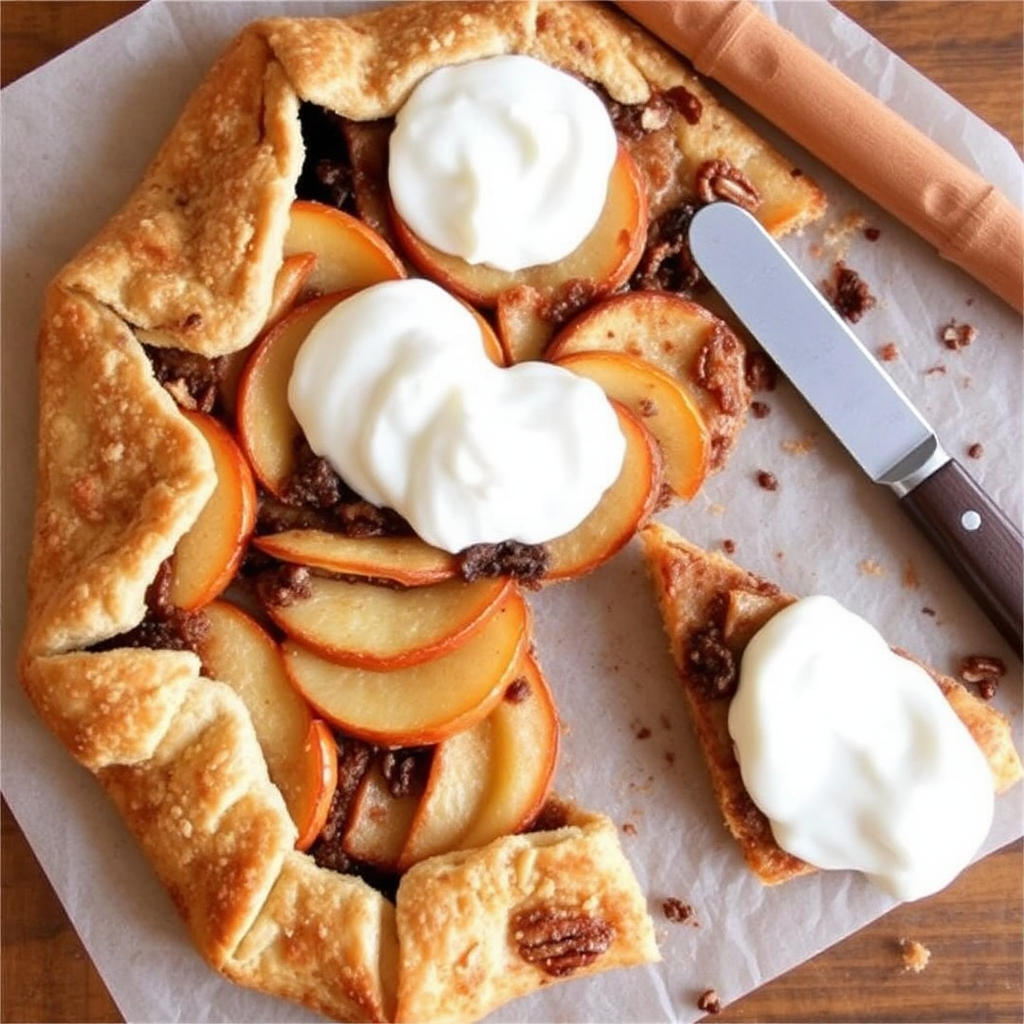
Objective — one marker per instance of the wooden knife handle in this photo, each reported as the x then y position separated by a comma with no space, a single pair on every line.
984,548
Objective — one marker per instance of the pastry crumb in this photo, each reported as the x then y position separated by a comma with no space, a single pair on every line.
799,446
869,567
914,955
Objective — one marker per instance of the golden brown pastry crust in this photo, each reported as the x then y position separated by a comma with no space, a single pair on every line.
489,912
697,590
189,262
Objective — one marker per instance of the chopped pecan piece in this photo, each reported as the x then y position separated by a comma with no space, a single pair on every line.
719,179
983,671
849,293
560,940
526,562
709,1002
283,585
192,380
712,665
956,336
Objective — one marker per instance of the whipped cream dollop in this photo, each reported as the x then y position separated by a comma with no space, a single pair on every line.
503,161
393,387
854,755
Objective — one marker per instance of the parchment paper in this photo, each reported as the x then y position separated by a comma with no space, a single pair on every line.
76,136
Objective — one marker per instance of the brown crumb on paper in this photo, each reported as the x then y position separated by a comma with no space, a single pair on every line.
983,671
677,911
889,353
848,292
872,234
914,955
976,450
729,546
709,1002
957,336
760,410
760,372
767,481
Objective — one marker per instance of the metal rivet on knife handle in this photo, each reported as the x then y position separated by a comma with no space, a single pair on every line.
980,542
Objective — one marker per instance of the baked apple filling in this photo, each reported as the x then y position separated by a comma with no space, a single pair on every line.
400,673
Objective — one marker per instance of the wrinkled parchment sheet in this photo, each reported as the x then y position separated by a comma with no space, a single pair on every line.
78,134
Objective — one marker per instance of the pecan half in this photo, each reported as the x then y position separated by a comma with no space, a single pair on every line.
719,179
560,940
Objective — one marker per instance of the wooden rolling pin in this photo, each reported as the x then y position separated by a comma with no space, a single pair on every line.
967,219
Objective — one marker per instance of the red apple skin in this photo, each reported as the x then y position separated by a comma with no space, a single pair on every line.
322,773
289,284
623,509
208,556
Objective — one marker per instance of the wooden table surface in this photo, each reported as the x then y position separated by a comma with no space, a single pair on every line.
974,928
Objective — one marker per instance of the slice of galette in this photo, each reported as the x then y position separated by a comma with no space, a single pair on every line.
826,748
305,446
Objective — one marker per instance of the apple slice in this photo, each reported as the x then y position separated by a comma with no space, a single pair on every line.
662,405
349,255
493,779
292,279
405,560
623,508
378,821
525,326
424,703
209,554
604,259
366,625
267,427
680,338
300,751
525,736
454,795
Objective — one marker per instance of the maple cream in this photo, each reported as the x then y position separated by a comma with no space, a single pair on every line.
854,755
503,161
393,388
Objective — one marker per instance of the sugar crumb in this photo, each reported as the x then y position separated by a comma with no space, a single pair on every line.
914,955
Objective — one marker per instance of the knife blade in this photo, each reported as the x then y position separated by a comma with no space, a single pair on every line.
863,408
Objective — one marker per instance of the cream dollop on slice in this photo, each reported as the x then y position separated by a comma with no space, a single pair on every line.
854,755
394,389
503,161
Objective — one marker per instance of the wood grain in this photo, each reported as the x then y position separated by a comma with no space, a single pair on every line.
973,929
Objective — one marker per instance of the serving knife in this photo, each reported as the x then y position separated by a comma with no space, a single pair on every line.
863,408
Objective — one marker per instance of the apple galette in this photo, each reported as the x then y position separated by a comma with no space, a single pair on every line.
399,324
825,747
